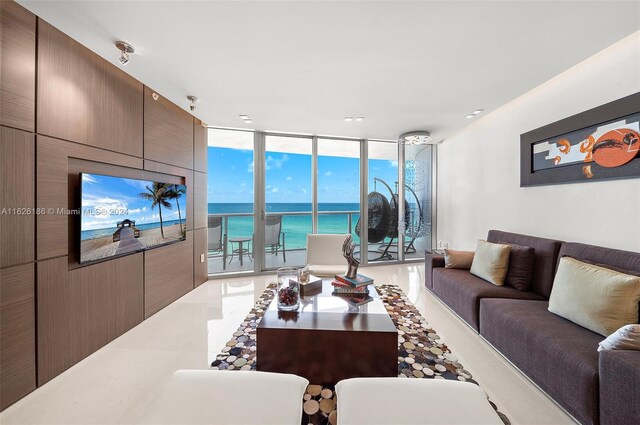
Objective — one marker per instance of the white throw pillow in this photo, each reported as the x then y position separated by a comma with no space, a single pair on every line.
625,338
491,262
594,297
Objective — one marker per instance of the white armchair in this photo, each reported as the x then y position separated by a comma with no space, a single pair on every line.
324,254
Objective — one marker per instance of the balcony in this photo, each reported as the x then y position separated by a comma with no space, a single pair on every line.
238,234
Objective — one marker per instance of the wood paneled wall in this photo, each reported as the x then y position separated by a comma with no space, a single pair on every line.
85,99
18,66
90,117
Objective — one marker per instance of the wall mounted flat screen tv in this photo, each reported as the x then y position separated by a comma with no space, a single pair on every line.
120,216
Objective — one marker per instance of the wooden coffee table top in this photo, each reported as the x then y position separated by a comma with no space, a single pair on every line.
323,311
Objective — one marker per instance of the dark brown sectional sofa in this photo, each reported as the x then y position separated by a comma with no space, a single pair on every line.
558,355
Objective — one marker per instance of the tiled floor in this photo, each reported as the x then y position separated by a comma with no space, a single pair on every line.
115,384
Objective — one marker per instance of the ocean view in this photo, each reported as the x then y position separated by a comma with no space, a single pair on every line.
295,227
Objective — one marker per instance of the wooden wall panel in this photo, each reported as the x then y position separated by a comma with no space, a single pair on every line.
200,207
200,269
17,174
18,66
176,171
168,274
200,145
52,188
81,310
85,99
18,334
168,132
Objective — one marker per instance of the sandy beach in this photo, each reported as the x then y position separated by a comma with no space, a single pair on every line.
95,249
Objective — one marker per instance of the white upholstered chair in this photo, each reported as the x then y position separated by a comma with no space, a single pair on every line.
227,397
324,254
378,401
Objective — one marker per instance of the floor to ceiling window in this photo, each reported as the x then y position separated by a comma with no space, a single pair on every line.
338,182
268,191
288,200
418,194
230,201
382,201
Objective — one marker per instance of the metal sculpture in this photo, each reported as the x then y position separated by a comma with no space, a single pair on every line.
348,248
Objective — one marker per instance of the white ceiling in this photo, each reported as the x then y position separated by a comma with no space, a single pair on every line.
303,66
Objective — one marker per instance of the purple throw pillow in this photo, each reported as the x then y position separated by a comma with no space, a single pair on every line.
521,262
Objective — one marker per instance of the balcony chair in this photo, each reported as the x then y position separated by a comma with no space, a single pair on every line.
324,254
274,237
217,243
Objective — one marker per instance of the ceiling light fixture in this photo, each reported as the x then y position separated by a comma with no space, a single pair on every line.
249,121
348,119
244,117
469,116
359,119
192,102
420,137
125,50
478,111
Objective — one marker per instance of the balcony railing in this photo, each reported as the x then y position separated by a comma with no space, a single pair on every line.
295,225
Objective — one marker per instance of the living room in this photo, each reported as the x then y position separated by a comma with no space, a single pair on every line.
181,180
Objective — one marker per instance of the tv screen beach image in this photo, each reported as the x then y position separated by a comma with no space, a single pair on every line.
120,215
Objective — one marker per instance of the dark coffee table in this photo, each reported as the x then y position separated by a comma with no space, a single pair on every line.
328,340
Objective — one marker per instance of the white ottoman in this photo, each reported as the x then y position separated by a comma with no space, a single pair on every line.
395,401
228,398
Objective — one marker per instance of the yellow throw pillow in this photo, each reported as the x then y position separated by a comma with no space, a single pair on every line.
458,259
491,262
594,297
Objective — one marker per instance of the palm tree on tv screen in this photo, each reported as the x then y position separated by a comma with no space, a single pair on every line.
175,192
158,195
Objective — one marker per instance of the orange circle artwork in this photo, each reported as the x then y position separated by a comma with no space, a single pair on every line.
616,147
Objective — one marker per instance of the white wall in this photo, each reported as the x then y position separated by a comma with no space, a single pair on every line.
479,171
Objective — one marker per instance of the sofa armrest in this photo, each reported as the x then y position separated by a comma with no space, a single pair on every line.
619,390
432,261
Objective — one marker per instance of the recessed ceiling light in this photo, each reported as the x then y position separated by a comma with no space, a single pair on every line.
248,121
478,111
359,118
244,117
470,116
348,119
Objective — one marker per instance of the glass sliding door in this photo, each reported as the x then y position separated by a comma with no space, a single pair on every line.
382,200
230,197
288,197
338,186
418,195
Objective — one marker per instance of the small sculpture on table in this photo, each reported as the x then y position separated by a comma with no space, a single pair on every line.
348,248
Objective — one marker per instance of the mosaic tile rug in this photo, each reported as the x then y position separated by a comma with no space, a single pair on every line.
421,352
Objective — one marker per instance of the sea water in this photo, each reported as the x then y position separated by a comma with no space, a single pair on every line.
295,227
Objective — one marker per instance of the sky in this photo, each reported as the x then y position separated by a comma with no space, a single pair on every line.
288,177
107,200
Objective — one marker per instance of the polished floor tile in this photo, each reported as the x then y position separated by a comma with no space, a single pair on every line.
115,384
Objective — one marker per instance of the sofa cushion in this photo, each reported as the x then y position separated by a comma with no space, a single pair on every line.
491,262
546,257
558,355
521,263
462,291
626,261
625,338
619,389
458,259
597,298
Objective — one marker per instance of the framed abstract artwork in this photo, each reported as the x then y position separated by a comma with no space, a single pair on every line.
599,144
